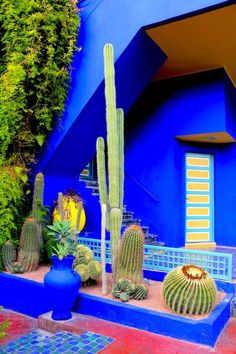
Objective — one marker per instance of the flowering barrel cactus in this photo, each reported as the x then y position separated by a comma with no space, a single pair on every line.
189,289
131,253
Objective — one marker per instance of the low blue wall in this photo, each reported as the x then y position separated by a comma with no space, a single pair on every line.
29,297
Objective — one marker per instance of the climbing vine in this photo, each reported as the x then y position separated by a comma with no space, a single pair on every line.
37,41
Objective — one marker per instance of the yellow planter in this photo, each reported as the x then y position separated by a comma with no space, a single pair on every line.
71,210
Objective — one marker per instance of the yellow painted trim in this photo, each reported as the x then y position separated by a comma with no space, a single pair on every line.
200,245
195,211
197,161
197,198
197,186
198,236
204,224
198,174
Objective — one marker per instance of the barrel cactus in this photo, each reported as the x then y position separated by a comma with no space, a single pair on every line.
8,255
125,290
140,292
28,255
189,289
83,271
95,269
131,253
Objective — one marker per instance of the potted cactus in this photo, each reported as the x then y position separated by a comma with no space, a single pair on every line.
62,282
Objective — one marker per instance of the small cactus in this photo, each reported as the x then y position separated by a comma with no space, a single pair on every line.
140,292
29,246
37,204
189,289
124,297
8,255
83,271
116,291
131,253
83,255
95,269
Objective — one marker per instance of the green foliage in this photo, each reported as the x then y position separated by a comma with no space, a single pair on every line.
37,40
4,325
189,289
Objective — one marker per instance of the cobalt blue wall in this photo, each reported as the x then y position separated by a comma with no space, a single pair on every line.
154,158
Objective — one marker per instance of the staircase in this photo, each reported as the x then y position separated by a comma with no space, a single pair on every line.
128,216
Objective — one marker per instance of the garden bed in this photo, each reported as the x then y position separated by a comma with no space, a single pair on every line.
150,314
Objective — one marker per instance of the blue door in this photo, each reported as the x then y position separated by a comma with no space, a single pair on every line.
199,198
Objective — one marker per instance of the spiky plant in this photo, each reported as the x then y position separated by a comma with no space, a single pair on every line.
28,255
140,292
189,289
131,253
8,255
112,196
95,269
83,271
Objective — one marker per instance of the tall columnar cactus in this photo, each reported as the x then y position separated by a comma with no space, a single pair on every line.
8,255
113,195
189,289
37,204
131,253
28,255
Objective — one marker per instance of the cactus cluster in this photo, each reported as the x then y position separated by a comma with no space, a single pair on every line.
88,268
31,236
112,196
189,289
125,290
9,258
29,252
131,253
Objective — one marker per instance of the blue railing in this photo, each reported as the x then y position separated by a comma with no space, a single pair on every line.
157,258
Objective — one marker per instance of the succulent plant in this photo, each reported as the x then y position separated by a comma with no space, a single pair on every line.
95,269
124,297
131,253
28,255
115,143
83,255
38,209
189,289
140,292
8,255
83,271
116,291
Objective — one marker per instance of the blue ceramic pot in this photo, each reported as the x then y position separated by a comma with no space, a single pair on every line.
62,284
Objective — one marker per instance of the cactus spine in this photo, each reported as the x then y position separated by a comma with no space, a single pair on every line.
131,252
29,246
8,255
115,144
189,289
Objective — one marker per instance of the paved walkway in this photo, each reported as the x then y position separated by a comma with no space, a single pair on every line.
112,338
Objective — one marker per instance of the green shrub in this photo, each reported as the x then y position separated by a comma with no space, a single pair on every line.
37,40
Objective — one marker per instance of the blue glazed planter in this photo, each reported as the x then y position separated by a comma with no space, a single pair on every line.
62,284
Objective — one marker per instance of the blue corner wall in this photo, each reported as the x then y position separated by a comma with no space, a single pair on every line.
137,59
154,158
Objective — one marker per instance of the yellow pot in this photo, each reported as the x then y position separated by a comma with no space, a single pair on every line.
71,210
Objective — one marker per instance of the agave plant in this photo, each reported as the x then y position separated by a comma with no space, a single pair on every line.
65,237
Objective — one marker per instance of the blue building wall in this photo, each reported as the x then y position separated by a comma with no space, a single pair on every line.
154,158
137,60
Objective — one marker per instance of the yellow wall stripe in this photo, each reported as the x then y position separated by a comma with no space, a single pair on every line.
197,161
198,174
192,224
194,186
197,236
197,211
204,199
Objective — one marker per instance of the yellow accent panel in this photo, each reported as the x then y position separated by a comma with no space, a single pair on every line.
198,161
194,186
200,245
197,211
198,43
192,224
205,199
197,174
197,236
